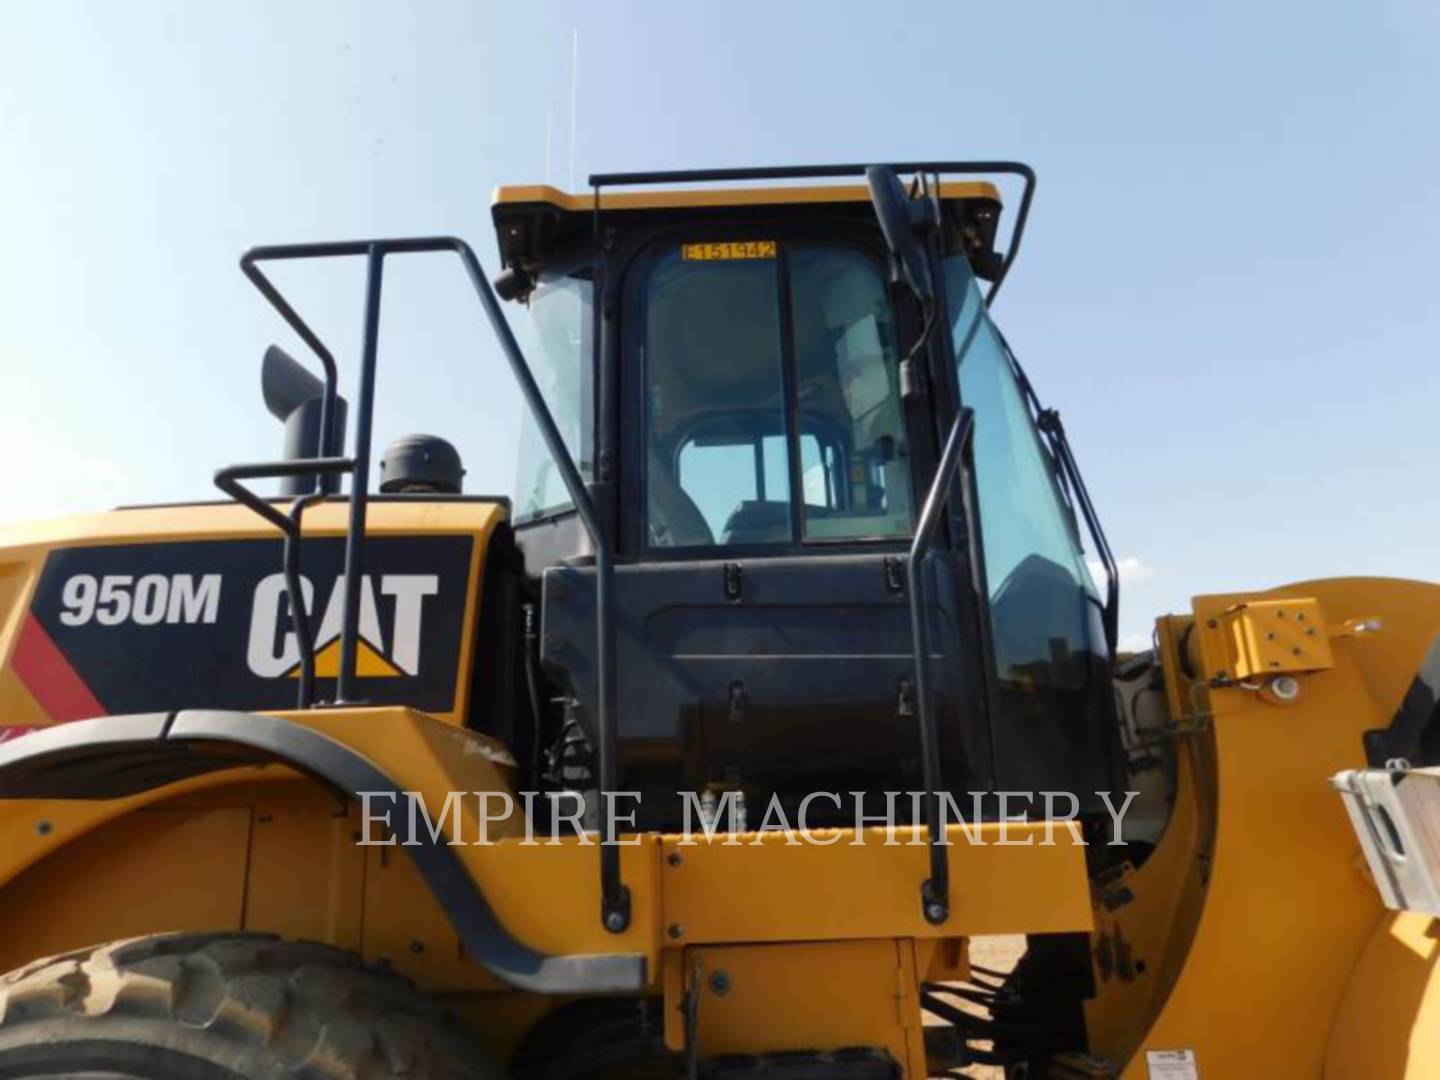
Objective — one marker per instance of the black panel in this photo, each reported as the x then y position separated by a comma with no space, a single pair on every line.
495,702
796,677
169,625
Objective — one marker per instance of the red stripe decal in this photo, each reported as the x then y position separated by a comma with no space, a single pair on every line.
14,731
46,673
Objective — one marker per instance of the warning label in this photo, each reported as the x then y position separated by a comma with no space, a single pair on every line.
1171,1064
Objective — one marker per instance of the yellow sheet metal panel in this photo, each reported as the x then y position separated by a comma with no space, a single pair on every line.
32,830
406,929
306,875
1260,638
19,710
765,889
147,872
200,521
1388,1024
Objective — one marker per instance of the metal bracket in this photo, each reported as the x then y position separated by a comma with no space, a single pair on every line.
1260,638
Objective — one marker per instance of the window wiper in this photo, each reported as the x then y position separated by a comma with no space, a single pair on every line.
1048,422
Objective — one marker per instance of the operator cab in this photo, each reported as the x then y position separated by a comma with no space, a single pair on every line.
758,405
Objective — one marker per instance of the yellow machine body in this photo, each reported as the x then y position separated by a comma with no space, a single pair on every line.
266,848
1252,938
1250,941
1255,899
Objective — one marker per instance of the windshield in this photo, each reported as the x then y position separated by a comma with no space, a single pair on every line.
554,335
772,407
1042,605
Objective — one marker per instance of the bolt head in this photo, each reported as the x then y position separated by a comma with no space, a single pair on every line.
720,983
43,828
675,930
615,921
674,858
1285,687
935,912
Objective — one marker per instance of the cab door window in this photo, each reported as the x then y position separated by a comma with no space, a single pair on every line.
714,385
765,420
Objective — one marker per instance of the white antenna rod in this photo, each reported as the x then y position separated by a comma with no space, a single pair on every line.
574,78
549,153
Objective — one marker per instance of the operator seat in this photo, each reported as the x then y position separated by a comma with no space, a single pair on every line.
675,520
758,521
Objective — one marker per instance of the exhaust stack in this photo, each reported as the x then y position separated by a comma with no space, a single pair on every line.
294,397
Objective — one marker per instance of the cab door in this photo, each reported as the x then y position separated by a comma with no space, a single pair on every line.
770,496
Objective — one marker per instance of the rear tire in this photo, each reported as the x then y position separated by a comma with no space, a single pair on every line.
225,1007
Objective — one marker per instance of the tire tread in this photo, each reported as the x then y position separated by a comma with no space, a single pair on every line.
252,1003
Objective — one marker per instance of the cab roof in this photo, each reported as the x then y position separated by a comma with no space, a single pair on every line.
533,220
518,195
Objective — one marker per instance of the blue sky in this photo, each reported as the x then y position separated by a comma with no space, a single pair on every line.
1226,287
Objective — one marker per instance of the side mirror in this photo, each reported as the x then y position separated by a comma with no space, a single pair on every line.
900,217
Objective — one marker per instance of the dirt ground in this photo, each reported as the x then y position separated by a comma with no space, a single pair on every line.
1000,952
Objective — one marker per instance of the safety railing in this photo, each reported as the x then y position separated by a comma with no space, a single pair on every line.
824,172
228,480
615,898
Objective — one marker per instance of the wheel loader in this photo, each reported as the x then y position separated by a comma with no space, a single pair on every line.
788,673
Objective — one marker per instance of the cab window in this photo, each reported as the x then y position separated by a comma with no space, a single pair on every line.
772,408
848,398
1043,609
554,333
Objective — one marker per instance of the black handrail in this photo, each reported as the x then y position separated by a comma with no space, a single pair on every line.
360,479
935,890
615,898
228,480
821,172
328,409
299,611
